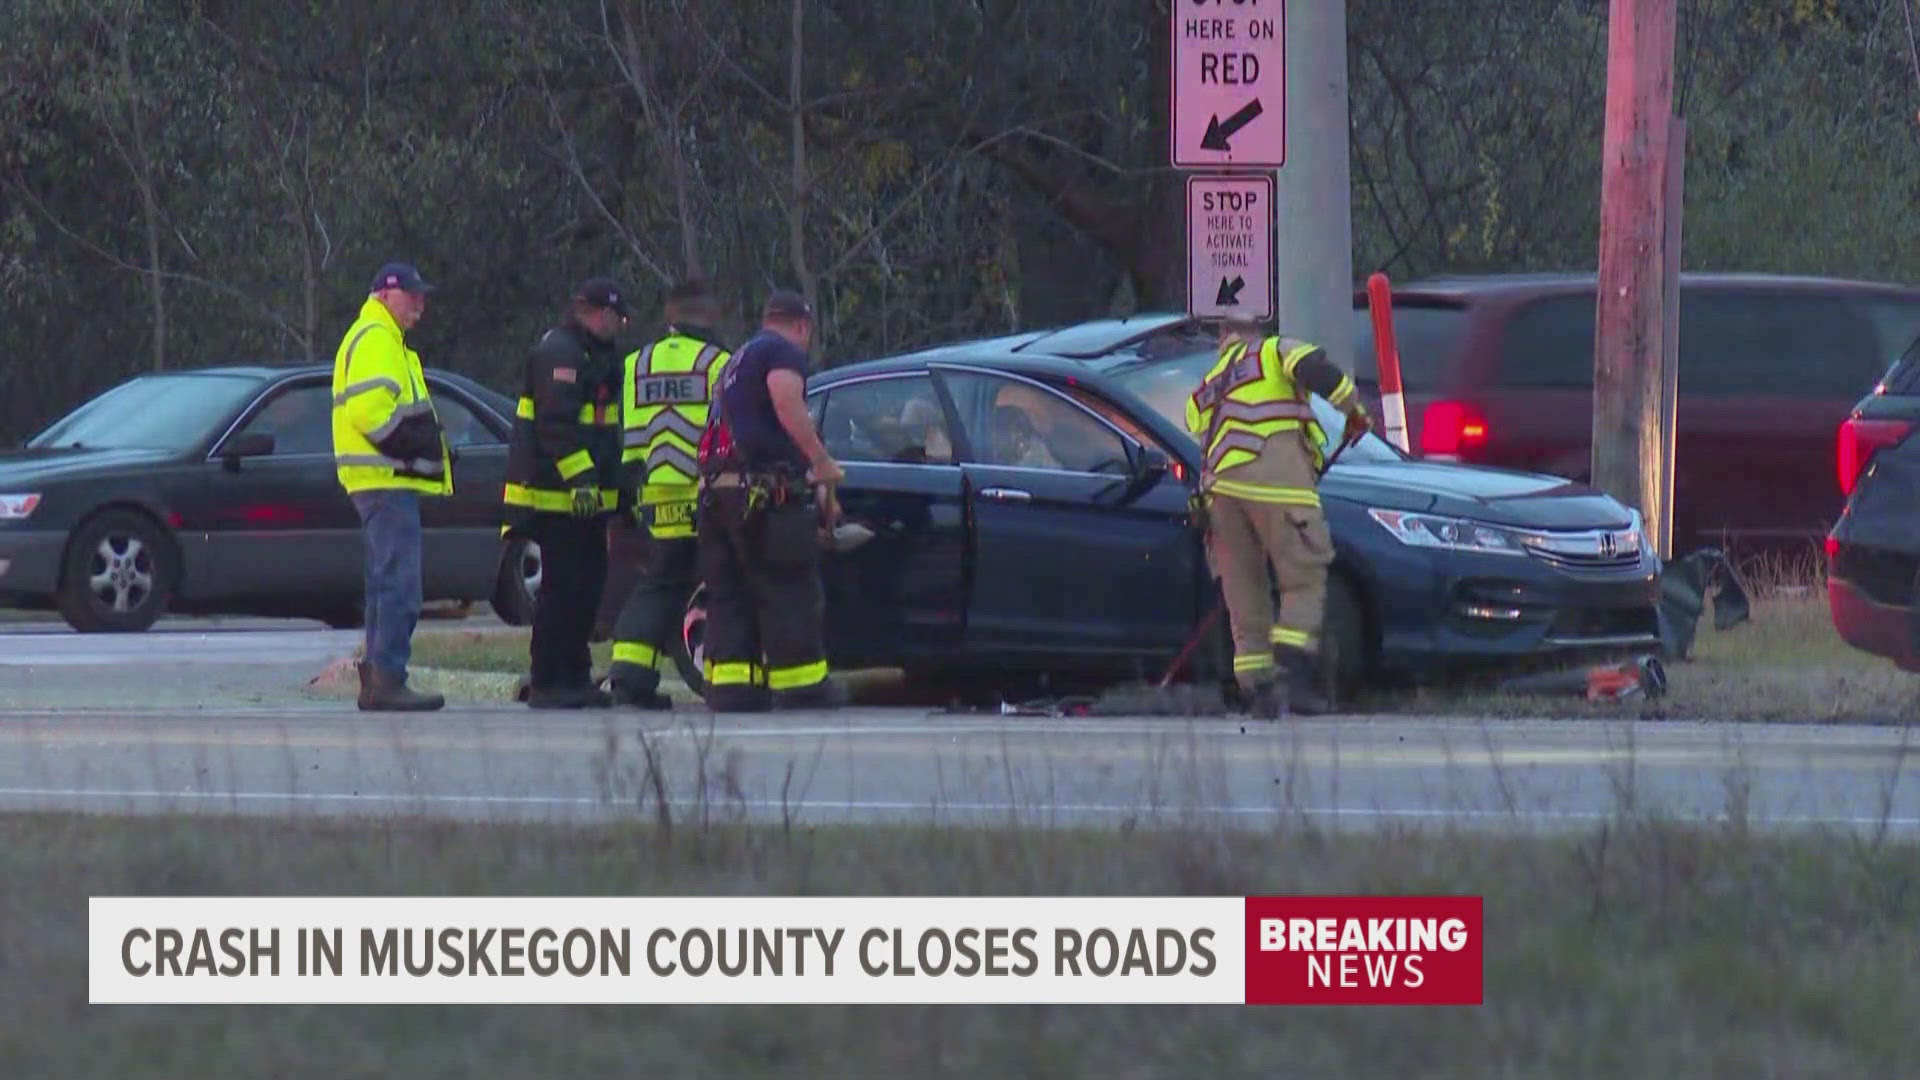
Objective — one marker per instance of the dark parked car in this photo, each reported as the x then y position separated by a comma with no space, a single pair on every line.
1498,370
213,492
1029,496
1873,553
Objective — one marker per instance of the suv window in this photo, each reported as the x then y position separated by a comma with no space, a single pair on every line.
1549,343
889,419
1736,343
1732,343
1428,337
1897,322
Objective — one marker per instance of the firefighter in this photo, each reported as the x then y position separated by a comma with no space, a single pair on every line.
388,451
759,520
563,483
1262,448
667,387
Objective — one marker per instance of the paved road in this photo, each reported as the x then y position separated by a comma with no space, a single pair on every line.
503,762
216,717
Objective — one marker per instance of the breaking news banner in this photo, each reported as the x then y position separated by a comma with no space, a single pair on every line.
1005,950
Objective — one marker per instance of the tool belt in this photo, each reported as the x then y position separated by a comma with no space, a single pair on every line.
764,488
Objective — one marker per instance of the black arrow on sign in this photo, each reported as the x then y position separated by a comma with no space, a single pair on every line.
1230,291
1218,133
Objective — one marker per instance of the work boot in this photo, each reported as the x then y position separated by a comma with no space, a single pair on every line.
1304,695
1266,699
380,692
634,697
569,697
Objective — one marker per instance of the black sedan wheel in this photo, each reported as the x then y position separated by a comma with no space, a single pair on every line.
119,574
518,583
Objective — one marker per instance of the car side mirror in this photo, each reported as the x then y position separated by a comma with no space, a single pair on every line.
245,445
1150,465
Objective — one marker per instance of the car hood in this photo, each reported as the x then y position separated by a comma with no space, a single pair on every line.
1500,496
23,469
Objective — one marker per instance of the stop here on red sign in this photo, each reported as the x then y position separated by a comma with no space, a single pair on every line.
1364,950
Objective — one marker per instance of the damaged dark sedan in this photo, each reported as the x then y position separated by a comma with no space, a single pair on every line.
1029,500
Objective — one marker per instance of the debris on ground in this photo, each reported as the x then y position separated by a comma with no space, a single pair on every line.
1642,677
1685,586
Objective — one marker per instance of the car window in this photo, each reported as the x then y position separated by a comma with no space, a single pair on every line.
1427,336
462,425
153,412
300,420
1789,344
1115,415
897,420
1165,386
1016,423
1549,343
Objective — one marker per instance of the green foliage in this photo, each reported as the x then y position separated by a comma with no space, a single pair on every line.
964,169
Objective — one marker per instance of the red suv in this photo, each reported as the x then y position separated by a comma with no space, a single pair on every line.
1498,370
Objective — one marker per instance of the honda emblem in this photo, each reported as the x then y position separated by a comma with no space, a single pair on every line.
1608,548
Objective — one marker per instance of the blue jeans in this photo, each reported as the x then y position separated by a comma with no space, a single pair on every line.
390,529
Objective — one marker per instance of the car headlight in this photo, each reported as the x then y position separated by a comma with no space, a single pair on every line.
1454,534
17,507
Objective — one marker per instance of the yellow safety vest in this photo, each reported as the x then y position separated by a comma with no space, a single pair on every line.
1248,398
377,383
669,388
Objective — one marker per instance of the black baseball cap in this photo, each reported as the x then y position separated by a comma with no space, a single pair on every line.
400,276
603,292
785,303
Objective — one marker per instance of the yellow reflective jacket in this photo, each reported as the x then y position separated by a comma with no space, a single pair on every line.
669,387
1251,396
385,432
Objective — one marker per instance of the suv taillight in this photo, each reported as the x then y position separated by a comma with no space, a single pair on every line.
1860,439
1452,429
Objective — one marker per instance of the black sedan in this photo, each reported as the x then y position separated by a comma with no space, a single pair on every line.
1029,497
213,492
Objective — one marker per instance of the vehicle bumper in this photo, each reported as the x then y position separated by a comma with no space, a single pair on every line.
1871,626
30,565
1488,609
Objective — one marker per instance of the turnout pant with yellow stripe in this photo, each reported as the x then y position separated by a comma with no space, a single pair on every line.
648,629
1267,512
760,558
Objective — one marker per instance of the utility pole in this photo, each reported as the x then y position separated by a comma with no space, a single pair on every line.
1313,194
1630,445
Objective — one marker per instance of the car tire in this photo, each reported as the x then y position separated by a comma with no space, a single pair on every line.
119,573
1344,640
517,583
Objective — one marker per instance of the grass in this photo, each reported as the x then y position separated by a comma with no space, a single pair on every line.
1785,663
1638,949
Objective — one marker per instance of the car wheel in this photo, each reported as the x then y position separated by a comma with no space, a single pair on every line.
1343,650
691,658
119,574
518,584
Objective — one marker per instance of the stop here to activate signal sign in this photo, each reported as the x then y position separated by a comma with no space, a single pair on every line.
1230,247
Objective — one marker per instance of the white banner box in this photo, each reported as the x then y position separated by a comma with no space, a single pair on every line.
667,950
